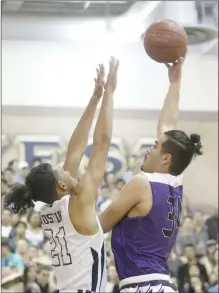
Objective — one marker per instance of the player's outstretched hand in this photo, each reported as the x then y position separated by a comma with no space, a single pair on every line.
99,81
111,81
175,71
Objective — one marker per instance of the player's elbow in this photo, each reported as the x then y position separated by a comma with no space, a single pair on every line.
102,140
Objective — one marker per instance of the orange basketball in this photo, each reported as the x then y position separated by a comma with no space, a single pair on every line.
165,41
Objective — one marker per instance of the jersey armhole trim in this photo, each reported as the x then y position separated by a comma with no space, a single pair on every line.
72,226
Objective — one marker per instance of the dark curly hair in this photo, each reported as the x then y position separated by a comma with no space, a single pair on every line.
183,149
40,185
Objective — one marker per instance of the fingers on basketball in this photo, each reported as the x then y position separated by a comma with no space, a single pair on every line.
167,65
178,64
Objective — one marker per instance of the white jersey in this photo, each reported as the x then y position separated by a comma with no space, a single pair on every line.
79,261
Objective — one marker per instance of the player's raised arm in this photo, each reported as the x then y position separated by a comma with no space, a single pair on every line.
91,180
170,112
79,138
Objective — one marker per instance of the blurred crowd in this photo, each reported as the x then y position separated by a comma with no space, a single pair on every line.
26,262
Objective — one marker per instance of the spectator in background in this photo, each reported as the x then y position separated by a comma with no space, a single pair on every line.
132,161
34,253
200,232
215,256
4,190
191,269
16,218
109,179
34,233
212,226
113,281
43,280
4,186
213,283
12,282
208,260
9,176
196,285
6,223
175,263
185,235
17,233
120,184
104,200
10,260
30,285
22,174
186,211
13,165
22,249
36,162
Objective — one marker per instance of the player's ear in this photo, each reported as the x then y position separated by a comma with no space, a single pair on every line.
167,158
61,185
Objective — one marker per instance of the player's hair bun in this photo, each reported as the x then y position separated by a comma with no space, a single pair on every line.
196,142
18,198
195,138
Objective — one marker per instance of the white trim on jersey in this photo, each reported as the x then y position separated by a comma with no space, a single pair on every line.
144,278
164,178
147,283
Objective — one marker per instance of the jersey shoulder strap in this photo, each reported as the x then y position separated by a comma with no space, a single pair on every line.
164,178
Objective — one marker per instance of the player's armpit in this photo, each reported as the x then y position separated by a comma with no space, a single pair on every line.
131,194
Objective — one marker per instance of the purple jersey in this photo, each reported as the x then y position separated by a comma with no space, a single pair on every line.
142,245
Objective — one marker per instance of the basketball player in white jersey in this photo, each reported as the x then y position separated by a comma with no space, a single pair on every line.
69,216
146,217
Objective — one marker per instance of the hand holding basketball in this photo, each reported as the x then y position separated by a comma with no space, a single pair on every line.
175,71
111,82
99,81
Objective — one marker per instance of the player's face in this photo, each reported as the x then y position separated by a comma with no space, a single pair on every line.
155,160
65,181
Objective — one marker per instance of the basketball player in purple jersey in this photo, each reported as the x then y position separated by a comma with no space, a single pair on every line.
146,216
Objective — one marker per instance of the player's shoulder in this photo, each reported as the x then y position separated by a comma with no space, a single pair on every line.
139,184
137,179
164,178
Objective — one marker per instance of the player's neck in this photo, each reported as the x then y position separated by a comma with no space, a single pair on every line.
163,171
63,193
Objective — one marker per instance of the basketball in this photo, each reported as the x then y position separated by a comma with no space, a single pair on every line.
165,41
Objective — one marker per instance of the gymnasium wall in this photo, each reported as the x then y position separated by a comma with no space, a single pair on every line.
61,74
201,179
